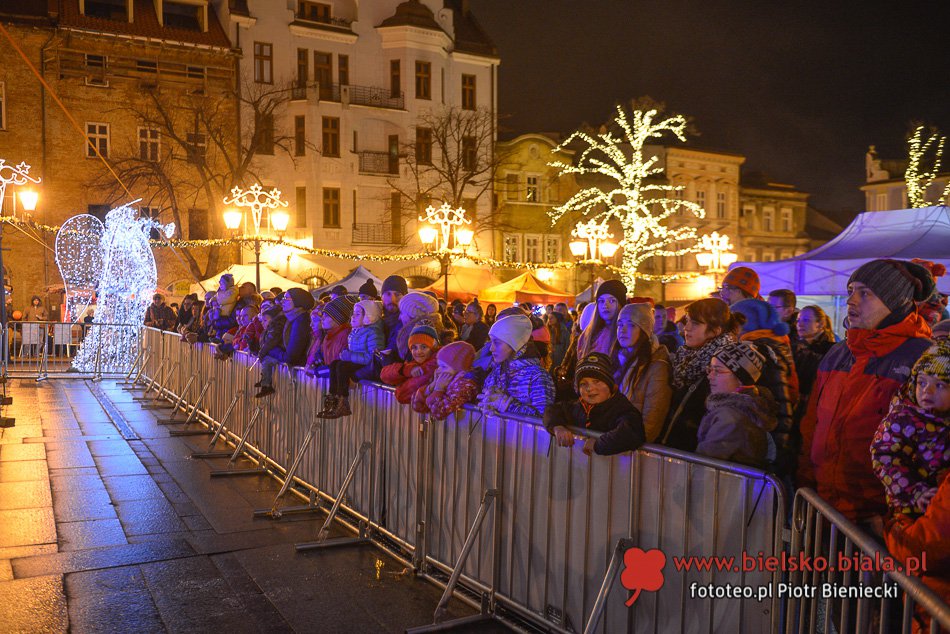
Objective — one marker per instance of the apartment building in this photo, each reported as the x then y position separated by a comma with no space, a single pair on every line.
885,188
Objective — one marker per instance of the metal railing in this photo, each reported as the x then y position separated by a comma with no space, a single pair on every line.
833,543
382,163
374,96
373,233
44,349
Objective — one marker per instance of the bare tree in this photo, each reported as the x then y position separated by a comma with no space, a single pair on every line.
200,152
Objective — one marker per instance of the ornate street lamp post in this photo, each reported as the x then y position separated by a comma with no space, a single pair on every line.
716,254
258,200
592,246
437,233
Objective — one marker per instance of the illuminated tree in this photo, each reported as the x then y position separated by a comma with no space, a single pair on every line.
917,176
631,193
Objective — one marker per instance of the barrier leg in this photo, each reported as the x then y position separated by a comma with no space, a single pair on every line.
274,512
322,541
193,416
437,624
135,363
160,389
608,583
153,381
130,385
178,402
239,449
210,453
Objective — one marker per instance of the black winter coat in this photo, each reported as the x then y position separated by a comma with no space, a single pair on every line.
688,406
618,420
295,340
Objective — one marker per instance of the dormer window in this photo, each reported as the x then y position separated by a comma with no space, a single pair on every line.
314,11
182,15
118,10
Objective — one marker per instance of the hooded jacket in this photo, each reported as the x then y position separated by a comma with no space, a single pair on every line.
807,358
648,389
462,389
736,427
273,336
400,375
525,381
852,393
363,342
618,420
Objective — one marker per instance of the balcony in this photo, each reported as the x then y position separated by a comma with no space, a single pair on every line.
380,163
370,233
323,27
375,97
300,91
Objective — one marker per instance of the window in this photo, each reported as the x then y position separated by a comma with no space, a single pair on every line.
148,144
197,224
468,92
323,71
469,153
303,66
768,219
300,135
552,248
99,211
395,78
720,205
301,208
511,186
107,10
263,63
767,256
424,146
96,63
198,143
881,203
182,16
98,136
343,69
331,136
513,247
314,11
395,216
146,66
265,133
701,198
532,248
787,224
331,207
423,80
532,190
3,106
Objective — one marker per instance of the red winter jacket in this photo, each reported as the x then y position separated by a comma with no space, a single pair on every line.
929,533
400,374
850,398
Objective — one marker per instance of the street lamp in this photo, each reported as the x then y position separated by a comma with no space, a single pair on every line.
439,224
258,200
716,255
29,198
593,245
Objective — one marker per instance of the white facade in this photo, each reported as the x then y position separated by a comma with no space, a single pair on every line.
359,75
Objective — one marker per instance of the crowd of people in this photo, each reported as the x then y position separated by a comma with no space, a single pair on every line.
738,377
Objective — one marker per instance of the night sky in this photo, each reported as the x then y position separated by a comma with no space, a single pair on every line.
800,91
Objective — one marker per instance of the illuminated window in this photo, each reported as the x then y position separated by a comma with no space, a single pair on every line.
532,189
552,248
513,247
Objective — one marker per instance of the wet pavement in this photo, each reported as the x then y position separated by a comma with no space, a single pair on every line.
108,525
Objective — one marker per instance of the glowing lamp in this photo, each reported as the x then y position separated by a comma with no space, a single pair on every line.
279,220
608,249
545,275
704,260
427,235
728,259
232,219
29,198
464,237
578,248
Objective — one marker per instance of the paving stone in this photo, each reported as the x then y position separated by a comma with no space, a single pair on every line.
118,613
90,534
25,495
33,605
26,527
11,453
110,556
15,552
117,447
23,470
75,506
132,487
76,483
6,570
69,456
120,465
141,517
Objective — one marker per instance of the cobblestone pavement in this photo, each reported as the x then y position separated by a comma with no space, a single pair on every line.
108,525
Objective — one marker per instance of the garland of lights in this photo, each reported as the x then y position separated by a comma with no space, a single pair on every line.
638,204
919,181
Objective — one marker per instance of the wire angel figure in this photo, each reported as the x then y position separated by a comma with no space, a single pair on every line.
113,264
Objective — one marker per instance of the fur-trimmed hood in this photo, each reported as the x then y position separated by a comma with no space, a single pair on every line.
757,404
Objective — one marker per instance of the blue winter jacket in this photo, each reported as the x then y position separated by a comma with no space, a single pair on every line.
363,342
523,379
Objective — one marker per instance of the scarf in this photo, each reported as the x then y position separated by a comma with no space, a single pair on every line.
295,312
690,364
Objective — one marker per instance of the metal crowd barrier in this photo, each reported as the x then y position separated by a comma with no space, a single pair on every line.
487,505
822,534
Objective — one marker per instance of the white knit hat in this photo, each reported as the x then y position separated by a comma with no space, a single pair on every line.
415,299
515,330
587,315
372,311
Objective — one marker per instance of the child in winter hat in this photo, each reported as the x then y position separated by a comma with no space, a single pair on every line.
368,290
411,375
365,338
517,382
738,416
911,449
745,280
514,331
416,304
452,384
336,328
600,407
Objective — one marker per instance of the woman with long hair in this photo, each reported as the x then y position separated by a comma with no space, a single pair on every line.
491,314
642,367
815,338
709,325
601,332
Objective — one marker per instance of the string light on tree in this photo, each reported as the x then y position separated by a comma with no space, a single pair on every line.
641,205
917,177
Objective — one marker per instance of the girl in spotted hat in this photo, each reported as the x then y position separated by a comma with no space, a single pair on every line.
911,449
452,384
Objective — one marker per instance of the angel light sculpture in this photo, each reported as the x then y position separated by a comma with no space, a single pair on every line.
110,263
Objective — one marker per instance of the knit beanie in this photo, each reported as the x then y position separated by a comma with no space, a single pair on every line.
935,361
395,283
942,329
339,289
415,299
760,315
368,288
514,331
743,278
372,311
587,315
340,310
895,282
642,316
273,310
301,298
508,312
424,334
458,355
596,365
742,360
615,288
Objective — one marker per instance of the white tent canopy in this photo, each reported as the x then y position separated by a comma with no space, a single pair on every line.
246,273
353,281
901,234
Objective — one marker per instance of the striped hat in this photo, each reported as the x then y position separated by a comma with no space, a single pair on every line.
340,310
742,360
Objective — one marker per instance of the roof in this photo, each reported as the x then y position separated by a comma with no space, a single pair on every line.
24,8
524,288
145,24
760,180
469,35
412,13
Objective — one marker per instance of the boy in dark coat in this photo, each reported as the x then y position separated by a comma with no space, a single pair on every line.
295,338
601,407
